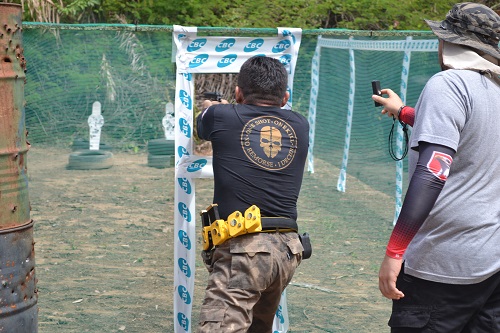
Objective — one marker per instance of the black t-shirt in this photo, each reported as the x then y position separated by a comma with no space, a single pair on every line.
259,153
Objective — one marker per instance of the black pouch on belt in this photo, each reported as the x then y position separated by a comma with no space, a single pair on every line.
306,244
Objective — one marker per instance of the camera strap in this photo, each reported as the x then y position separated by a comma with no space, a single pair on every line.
391,137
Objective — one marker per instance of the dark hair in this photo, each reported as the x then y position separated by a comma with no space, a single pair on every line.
263,80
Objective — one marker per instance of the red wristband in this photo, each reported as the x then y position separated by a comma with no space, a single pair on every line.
407,115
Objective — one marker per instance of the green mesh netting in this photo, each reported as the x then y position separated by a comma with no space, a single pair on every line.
369,160
130,73
104,258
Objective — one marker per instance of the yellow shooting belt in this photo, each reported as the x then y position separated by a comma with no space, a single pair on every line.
238,224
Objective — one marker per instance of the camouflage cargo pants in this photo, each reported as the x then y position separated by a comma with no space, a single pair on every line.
248,275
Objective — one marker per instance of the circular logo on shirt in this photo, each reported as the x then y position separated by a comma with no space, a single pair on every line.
269,142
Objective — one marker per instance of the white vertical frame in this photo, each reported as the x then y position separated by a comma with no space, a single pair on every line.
197,54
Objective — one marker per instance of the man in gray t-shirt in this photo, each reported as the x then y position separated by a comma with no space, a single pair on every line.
442,263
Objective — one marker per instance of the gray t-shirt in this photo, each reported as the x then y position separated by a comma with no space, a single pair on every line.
459,242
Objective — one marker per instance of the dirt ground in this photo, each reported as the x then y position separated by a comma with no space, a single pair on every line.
104,254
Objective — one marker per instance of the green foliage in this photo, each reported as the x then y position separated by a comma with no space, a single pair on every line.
313,14
117,11
76,10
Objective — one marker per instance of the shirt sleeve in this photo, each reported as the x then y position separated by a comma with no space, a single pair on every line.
205,123
441,111
430,174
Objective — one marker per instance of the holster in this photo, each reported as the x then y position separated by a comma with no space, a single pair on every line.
208,246
207,257
306,244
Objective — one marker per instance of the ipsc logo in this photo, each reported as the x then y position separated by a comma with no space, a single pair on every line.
183,321
185,99
184,294
269,142
182,151
198,60
254,45
197,165
196,44
281,46
184,267
184,239
184,211
226,60
285,59
184,127
439,165
185,185
225,45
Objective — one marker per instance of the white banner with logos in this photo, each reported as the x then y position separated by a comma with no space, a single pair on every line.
210,54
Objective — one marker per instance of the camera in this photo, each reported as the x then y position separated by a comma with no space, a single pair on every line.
376,90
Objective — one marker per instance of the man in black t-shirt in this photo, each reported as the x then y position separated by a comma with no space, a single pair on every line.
259,153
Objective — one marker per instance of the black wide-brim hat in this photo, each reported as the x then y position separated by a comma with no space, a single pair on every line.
470,24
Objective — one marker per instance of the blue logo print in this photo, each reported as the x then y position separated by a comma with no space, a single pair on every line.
197,165
184,184
187,76
182,151
184,294
184,267
227,60
183,321
254,45
279,314
285,59
185,99
184,127
281,46
184,239
289,33
198,60
196,44
225,45
184,211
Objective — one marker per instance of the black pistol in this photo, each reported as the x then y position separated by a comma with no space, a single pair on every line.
213,96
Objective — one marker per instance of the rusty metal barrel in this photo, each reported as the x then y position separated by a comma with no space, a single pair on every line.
18,292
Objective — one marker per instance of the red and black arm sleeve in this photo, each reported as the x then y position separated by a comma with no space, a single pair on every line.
430,174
